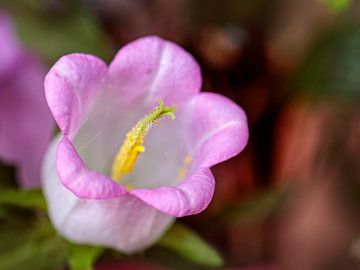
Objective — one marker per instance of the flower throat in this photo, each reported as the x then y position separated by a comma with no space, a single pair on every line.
132,146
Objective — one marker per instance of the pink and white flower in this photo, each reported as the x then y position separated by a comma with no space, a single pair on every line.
95,106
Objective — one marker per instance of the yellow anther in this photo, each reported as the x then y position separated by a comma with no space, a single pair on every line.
140,148
132,146
181,173
183,169
187,160
129,187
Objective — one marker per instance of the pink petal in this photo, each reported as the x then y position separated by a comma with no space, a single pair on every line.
76,177
150,68
216,129
10,48
71,87
26,123
189,198
125,223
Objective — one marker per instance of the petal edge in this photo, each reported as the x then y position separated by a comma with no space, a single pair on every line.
77,178
189,198
70,87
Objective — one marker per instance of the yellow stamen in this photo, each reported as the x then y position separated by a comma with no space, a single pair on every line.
183,169
187,160
133,144
129,187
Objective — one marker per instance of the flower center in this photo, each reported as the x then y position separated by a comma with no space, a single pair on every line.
132,146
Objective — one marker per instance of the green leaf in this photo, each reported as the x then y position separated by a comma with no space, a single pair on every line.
82,257
257,208
338,5
29,198
189,245
333,66
52,32
30,246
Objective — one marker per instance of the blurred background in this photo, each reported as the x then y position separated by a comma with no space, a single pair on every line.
291,199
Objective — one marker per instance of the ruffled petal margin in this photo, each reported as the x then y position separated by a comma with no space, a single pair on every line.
216,129
189,198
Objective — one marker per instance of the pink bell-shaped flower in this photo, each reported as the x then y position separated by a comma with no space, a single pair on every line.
126,199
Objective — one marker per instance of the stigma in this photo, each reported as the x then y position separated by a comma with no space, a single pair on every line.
133,144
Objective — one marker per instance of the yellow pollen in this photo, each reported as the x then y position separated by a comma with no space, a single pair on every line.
129,187
132,146
183,169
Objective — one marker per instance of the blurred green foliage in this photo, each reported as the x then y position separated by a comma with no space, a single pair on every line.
333,67
189,245
258,208
30,198
82,257
338,5
30,244
55,31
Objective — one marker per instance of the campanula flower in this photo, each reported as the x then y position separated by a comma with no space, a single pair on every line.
26,124
136,144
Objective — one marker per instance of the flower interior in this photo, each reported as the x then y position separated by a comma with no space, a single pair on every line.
132,146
